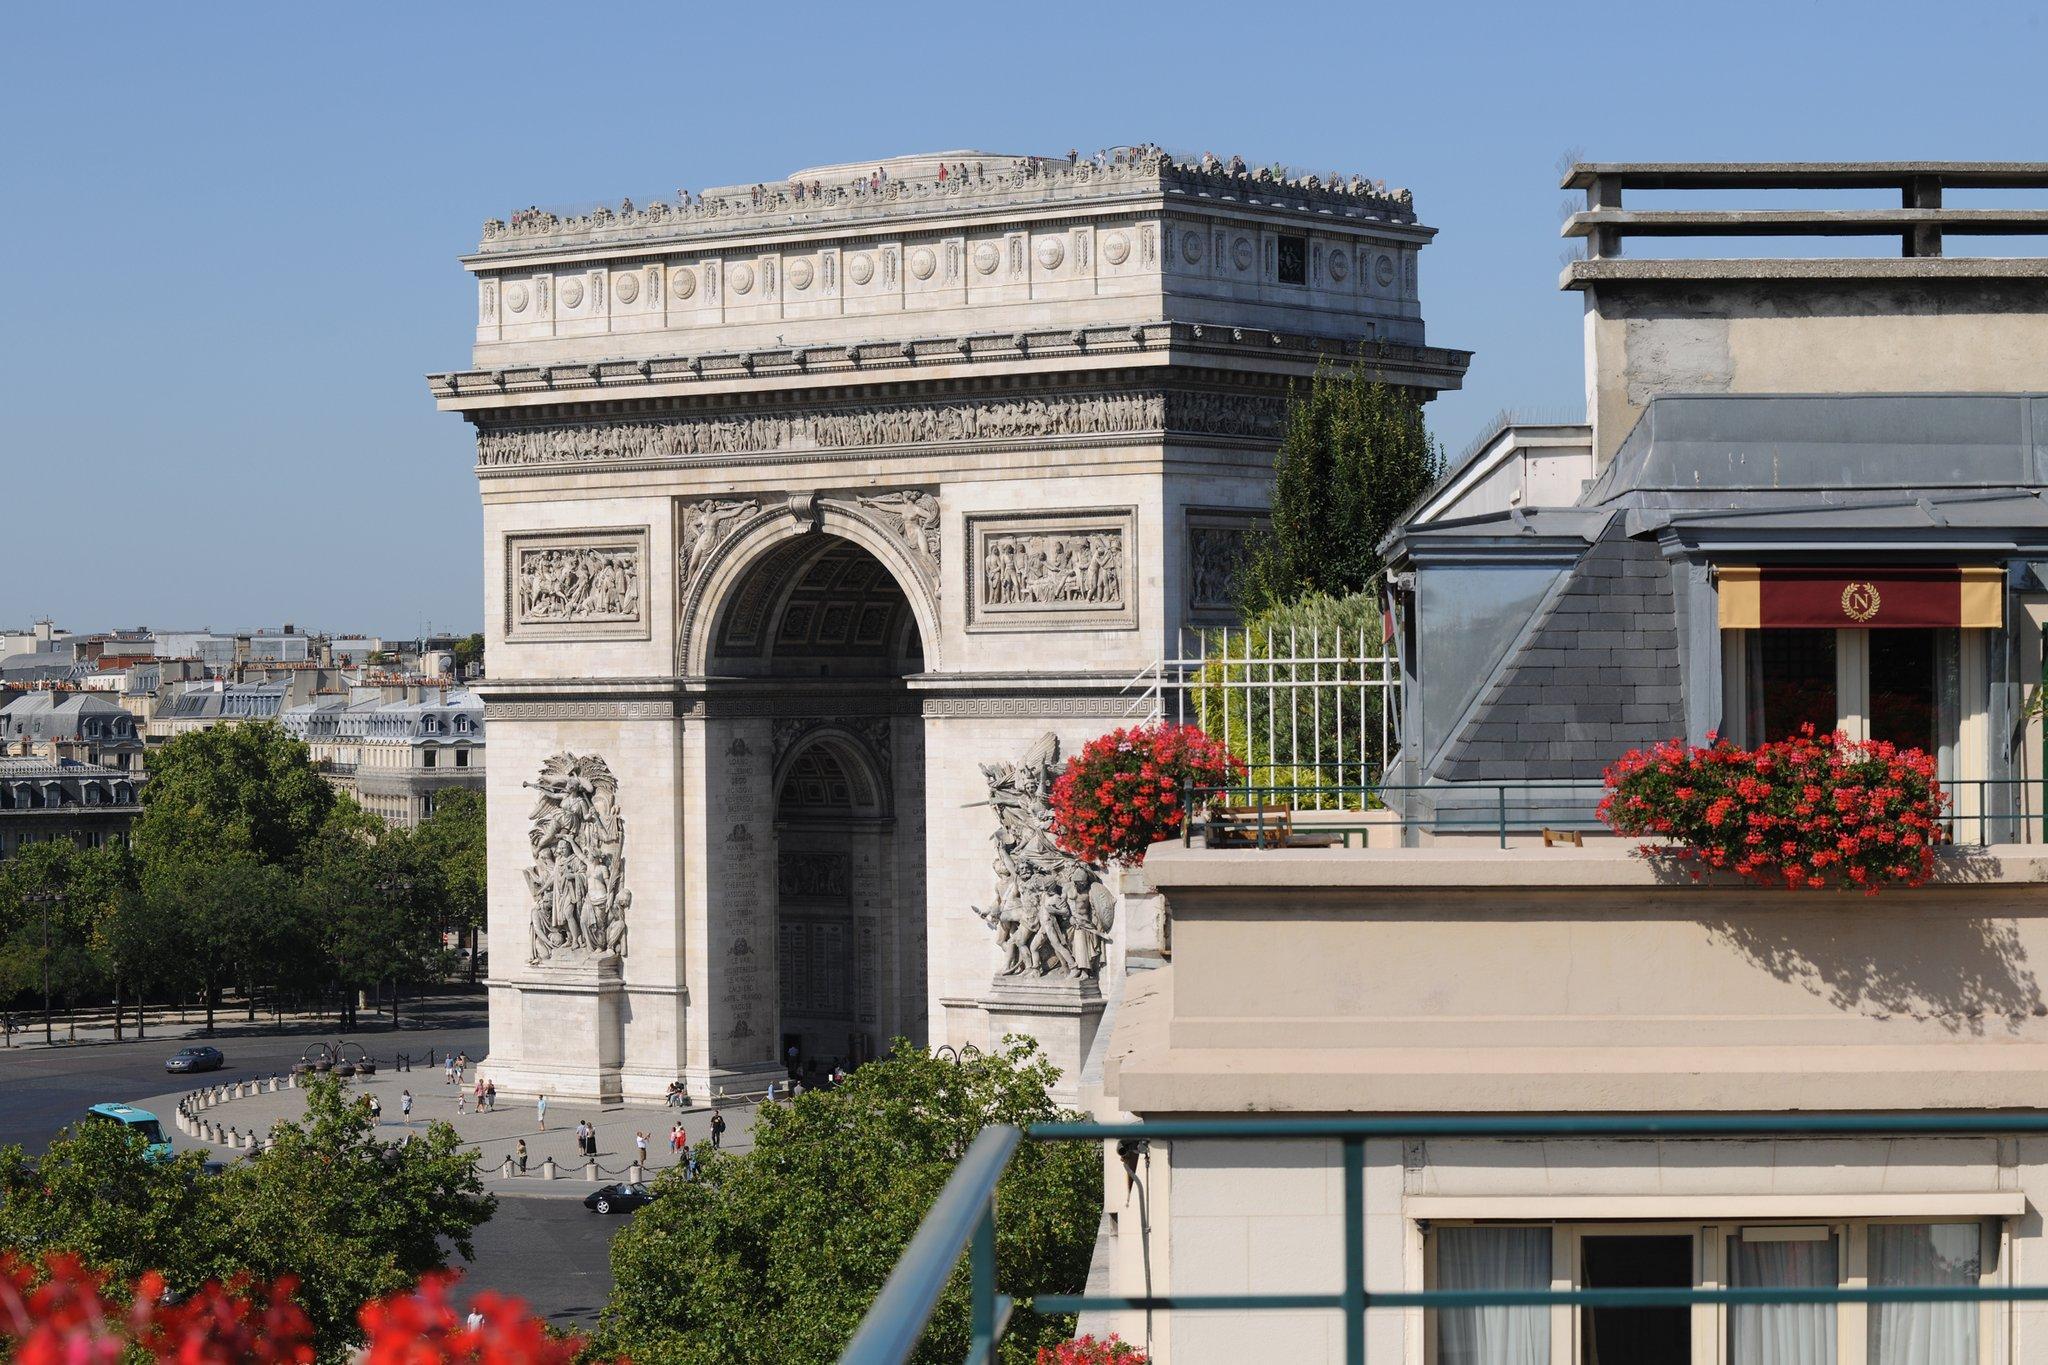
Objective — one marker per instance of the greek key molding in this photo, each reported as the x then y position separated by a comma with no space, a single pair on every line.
1053,570
583,584
1033,706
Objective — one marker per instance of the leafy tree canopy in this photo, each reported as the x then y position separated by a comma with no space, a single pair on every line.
1355,456
450,846
773,1256
352,1217
234,788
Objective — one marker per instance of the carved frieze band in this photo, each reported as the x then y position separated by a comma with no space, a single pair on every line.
1052,571
576,585
1251,416
588,709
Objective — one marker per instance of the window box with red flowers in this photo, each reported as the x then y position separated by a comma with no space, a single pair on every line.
1812,811
1124,792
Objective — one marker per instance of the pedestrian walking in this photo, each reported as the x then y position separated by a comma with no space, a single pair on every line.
640,1146
540,1111
461,1102
405,1106
717,1129
519,1155
461,1066
689,1165
448,1070
479,1094
475,1321
376,1109
491,1095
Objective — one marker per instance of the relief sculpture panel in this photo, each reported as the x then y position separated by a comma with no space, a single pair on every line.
576,585
1219,548
1052,571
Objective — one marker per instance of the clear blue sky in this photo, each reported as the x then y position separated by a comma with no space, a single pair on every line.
230,230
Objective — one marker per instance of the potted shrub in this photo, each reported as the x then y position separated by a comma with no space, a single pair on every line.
1124,792
1810,811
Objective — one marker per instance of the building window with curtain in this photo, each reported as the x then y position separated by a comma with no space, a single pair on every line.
1493,1258
1855,1253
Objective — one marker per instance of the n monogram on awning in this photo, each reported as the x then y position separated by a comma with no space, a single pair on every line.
1807,596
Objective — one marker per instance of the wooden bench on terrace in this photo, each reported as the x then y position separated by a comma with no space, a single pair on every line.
1260,827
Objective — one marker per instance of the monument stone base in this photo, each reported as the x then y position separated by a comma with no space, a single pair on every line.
572,1039
1061,1012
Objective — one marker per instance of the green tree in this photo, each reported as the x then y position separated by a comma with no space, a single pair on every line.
95,1194
54,937
369,905
1355,456
223,916
233,789
469,652
350,1216
773,1256
450,847
128,941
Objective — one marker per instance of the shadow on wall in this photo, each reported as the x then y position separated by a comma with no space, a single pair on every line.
1925,961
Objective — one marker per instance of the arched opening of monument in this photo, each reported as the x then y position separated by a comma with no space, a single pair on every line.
819,636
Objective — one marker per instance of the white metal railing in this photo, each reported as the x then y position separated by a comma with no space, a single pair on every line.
1309,708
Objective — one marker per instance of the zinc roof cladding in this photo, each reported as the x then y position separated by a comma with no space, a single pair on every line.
1849,443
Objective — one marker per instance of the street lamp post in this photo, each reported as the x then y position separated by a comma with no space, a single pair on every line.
394,889
46,899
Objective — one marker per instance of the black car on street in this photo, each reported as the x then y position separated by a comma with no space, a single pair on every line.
622,1197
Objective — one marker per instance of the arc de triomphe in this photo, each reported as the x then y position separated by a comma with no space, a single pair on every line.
820,520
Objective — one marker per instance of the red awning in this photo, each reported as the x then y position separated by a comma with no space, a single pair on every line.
1810,596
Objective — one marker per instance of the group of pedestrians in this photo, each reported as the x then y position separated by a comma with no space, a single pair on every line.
485,1095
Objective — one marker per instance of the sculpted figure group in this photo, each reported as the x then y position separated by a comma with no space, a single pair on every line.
1052,913
579,584
1051,570
579,861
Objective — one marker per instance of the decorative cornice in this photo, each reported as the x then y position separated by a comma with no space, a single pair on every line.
1021,182
632,378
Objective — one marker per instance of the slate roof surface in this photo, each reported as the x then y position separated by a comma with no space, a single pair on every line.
1597,675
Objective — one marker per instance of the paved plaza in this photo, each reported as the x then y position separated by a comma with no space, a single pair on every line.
495,1133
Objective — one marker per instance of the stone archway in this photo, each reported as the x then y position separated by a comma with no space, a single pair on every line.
732,554
812,890
836,905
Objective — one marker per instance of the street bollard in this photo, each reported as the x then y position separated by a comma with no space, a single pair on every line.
638,1173
547,1169
590,1170
507,1171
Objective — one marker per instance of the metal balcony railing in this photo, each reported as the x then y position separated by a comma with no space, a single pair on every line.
1267,812
963,1220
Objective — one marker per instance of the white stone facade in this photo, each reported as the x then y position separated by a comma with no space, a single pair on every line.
797,513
